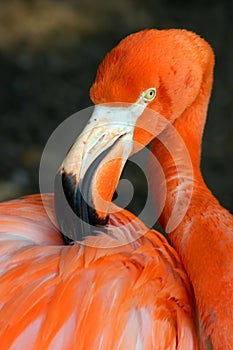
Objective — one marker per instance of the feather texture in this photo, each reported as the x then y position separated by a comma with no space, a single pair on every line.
134,296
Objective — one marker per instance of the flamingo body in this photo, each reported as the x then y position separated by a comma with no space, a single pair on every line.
136,296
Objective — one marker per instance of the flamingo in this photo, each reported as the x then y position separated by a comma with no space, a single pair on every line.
133,293
171,73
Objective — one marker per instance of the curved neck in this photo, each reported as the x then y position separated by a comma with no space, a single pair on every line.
176,175
199,228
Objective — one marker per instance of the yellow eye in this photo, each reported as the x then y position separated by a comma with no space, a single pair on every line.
149,95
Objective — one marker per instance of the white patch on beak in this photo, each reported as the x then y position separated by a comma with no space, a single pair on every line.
106,125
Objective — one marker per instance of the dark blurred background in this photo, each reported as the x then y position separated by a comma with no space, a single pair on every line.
49,53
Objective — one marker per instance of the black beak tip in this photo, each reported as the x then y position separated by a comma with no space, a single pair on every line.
75,212
74,207
63,203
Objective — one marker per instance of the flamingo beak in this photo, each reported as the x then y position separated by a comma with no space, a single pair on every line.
92,168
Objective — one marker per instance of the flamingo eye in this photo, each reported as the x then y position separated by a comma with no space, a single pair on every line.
149,95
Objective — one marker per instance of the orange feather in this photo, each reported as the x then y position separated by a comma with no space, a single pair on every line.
67,297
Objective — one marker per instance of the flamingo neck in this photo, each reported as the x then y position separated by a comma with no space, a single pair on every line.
198,227
176,174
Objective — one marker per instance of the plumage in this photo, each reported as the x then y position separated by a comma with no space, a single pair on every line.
52,296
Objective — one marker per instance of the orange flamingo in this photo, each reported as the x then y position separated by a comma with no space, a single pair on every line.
54,296
171,72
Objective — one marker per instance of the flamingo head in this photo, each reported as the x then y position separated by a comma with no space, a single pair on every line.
148,80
